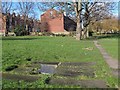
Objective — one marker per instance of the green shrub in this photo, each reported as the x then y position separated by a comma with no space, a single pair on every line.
20,31
47,34
73,33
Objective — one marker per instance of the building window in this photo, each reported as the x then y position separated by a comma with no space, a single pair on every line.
51,14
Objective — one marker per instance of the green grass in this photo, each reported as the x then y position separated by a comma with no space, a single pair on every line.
57,49
15,50
111,46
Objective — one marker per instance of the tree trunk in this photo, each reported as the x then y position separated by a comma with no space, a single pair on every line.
85,34
78,29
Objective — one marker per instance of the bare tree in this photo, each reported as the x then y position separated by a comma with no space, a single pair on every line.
6,7
26,9
86,12
43,6
95,12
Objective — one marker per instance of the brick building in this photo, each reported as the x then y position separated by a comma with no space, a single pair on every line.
56,22
2,24
51,21
10,21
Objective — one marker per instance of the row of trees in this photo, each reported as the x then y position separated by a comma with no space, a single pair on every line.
106,25
84,13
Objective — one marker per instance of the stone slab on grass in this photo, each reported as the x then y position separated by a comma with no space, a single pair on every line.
38,62
78,63
76,69
19,77
47,69
81,83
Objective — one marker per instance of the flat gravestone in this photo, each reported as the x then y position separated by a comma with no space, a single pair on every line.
47,69
75,69
27,69
17,77
81,83
52,63
37,67
78,63
22,70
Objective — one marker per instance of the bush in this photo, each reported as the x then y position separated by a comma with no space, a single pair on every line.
52,34
90,33
73,33
47,34
20,31
63,35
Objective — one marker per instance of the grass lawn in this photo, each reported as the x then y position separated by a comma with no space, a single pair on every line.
15,51
111,46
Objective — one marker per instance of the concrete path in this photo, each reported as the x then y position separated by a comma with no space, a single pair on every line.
113,64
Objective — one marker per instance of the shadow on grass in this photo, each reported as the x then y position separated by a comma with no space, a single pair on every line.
18,38
110,36
103,36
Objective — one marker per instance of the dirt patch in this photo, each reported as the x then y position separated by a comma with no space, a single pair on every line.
28,59
81,83
88,48
10,68
19,77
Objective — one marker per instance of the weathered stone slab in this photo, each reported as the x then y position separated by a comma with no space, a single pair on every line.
75,69
19,77
81,83
47,69
22,70
78,63
37,68
53,63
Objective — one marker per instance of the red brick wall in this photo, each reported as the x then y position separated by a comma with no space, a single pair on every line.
56,25
55,22
2,23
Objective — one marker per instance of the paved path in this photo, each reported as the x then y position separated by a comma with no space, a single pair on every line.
109,60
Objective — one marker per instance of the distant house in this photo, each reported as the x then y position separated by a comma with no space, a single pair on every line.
51,21
8,23
56,22
2,24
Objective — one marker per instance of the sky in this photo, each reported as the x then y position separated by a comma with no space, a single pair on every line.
60,0
38,12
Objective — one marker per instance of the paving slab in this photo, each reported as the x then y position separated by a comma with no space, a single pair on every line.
113,63
75,69
47,69
81,83
78,63
109,60
17,77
